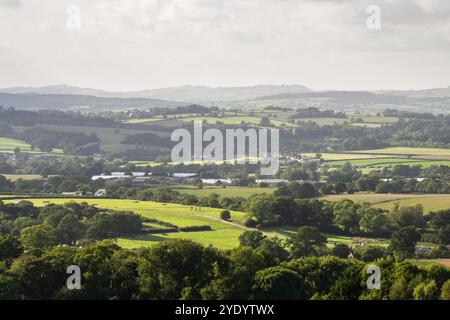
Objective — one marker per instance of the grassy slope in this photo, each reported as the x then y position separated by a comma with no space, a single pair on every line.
223,236
430,202
231,191
406,151
7,144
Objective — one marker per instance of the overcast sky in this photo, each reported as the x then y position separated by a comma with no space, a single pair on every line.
144,44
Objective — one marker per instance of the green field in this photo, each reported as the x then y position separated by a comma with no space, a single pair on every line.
430,202
110,138
344,156
288,231
7,144
324,121
230,191
15,177
237,120
407,151
373,118
145,120
372,162
223,235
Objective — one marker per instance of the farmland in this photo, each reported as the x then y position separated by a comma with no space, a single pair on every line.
407,151
430,202
223,235
229,191
7,144
15,177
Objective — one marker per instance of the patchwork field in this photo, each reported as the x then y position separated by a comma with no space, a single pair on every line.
237,120
430,202
230,191
407,151
223,235
344,156
288,231
15,177
7,144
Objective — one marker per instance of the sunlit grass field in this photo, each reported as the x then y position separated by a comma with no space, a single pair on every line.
7,144
407,151
230,191
223,235
430,202
15,177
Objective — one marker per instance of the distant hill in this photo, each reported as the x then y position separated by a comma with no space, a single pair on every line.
352,97
193,94
425,93
69,102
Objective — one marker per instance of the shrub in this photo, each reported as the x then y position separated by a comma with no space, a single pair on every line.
250,223
225,215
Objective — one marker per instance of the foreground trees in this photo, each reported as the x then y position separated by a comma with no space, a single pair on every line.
182,269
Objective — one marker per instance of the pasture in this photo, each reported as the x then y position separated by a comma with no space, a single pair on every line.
229,191
7,144
223,235
430,202
15,177
407,151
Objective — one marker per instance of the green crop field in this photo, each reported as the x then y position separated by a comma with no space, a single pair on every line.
374,118
324,121
110,138
430,202
223,235
230,191
236,120
344,156
145,120
407,151
368,125
7,144
287,231
15,177
373,161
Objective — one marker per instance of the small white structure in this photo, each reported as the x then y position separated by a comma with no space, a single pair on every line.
100,193
216,181
183,175
118,175
76,193
271,181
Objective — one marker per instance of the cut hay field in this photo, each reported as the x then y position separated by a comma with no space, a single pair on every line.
430,202
223,235
230,191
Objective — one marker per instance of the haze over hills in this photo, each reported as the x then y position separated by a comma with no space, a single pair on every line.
73,102
192,94
65,97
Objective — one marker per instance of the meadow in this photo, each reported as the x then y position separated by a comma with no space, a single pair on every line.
7,144
15,177
223,234
407,151
430,202
229,191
